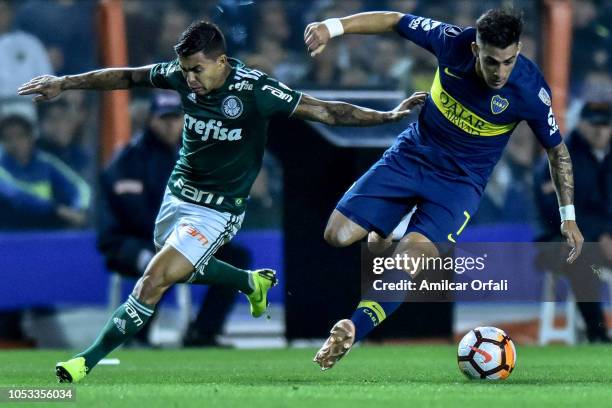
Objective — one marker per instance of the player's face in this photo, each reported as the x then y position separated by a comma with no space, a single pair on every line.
495,64
203,74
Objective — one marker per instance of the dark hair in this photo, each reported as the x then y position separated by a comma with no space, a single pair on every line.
15,120
201,36
500,28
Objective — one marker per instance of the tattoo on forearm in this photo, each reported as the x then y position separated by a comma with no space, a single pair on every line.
345,114
108,79
560,164
337,113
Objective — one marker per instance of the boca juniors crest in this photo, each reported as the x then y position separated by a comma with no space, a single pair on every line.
498,104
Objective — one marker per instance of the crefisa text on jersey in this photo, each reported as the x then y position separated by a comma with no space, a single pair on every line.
241,86
218,132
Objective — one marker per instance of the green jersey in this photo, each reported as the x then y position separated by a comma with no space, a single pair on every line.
224,133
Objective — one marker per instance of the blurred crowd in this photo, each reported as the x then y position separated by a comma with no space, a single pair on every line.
48,152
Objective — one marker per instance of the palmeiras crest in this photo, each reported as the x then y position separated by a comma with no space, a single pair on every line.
231,107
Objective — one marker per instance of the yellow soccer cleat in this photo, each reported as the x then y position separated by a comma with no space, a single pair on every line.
263,279
71,371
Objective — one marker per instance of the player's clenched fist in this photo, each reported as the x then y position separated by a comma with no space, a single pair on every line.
316,37
46,86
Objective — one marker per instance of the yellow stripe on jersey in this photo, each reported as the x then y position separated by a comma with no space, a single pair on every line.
379,312
462,117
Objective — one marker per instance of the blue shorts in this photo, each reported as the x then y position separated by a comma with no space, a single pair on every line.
406,176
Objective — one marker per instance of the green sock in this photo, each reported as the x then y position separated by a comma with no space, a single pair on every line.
127,320
218,272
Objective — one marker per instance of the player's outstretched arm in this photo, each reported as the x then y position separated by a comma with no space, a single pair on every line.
560,164
48,86
346,114
317,34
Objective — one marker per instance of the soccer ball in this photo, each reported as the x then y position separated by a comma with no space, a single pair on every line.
486,353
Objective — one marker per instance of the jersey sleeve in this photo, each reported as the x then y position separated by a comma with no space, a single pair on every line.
274,97
434,36
166,75
541,119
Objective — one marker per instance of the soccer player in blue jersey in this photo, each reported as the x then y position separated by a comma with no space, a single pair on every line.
482,89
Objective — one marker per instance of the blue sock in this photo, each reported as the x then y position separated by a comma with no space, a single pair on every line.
370,314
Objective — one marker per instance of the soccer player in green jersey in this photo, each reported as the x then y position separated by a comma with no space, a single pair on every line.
227,107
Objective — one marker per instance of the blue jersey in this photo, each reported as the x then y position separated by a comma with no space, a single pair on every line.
464,125
30,194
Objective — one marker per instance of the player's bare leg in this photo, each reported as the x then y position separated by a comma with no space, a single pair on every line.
165,269
416,245
341,231
378,244
346,332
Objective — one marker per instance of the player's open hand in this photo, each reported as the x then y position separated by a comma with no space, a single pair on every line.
44,87
574,238
316,37
403,109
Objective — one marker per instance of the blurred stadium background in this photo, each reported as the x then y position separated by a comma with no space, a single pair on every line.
56,290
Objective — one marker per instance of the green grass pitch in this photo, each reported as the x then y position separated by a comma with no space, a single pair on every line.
372,376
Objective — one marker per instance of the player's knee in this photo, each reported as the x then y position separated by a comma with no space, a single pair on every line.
341,231
337,237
